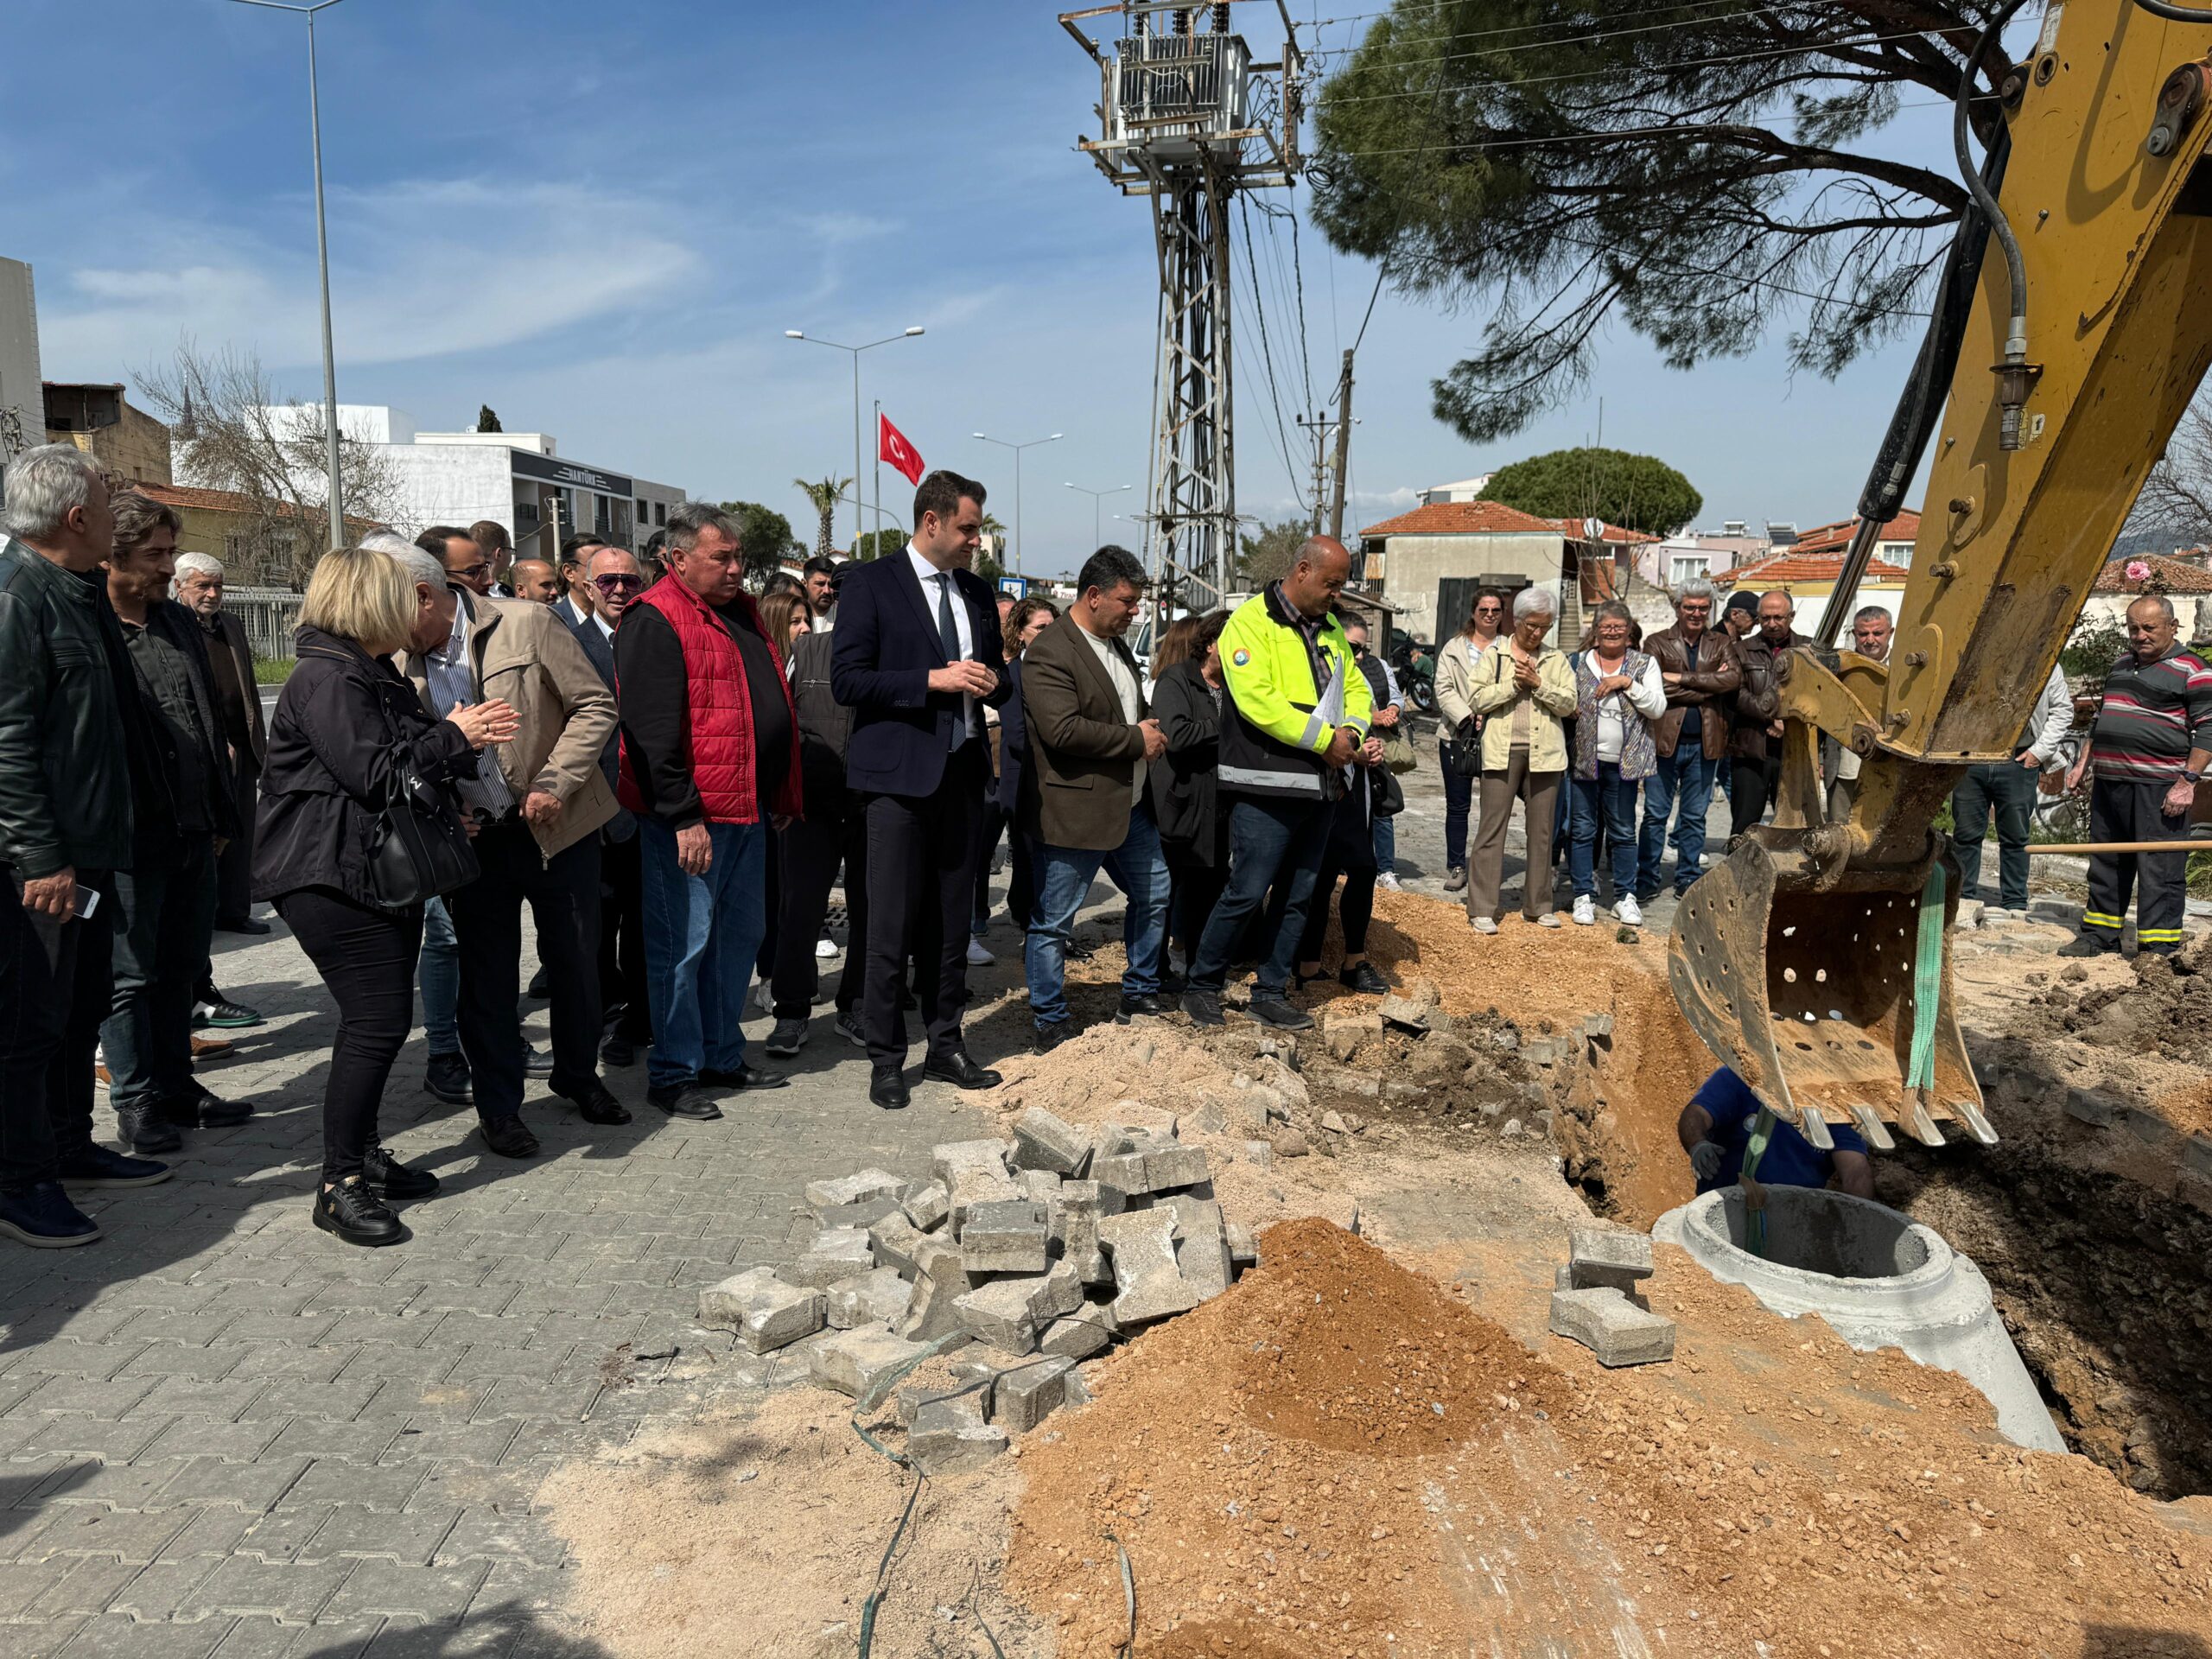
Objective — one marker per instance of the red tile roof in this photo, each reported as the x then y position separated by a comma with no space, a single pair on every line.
2175,577
1463,518
1571,528
1792,566
1834,538
180,495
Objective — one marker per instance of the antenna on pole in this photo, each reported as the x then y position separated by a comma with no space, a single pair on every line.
1189,119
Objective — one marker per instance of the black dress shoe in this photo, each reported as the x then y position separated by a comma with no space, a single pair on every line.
447,1078
1276,1012
597,1102
386,1175
351,1212
887,1087
537,1061
1365,980
540,987
742,1076
682,1100
1047,1038
217,1114
146,1131
244,925
508,1137
1143,1005
618,1050
960,1072
1204,1007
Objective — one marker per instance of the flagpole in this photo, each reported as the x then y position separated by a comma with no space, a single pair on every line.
879,476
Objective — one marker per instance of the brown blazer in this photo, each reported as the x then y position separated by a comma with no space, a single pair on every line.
1707,684
230,637
1080,781
520,650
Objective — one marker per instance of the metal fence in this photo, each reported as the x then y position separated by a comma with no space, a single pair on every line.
271,616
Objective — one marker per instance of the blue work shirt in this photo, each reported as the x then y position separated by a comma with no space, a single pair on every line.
1791,1159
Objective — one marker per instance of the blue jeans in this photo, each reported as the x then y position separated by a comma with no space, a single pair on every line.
1386,845
440,974
1614,795
1138,868
702,935
1274,842
1687,774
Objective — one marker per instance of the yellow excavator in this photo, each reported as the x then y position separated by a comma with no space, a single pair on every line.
2072,327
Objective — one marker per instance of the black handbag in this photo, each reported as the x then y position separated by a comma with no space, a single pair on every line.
418,849
1462,752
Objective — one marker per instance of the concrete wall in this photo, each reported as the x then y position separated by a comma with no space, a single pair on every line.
21,382
137,446
449,484
1414,565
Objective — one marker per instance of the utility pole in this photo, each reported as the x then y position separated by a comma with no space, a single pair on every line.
1320,426
1344,453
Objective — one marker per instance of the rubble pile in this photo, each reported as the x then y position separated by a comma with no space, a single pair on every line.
1600,1304
1019,1258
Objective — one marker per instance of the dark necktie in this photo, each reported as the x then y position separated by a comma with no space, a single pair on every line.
949,631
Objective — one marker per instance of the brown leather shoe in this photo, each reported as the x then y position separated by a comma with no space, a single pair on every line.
208,1048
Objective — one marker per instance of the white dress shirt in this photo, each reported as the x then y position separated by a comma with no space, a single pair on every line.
935,582
451,680
1126,687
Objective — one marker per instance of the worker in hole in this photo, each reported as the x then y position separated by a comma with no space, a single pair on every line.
1716,1129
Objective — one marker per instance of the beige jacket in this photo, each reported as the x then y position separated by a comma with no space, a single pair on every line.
1493,694
1456,661
523,651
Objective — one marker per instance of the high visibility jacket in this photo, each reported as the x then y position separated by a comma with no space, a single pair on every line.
1285,701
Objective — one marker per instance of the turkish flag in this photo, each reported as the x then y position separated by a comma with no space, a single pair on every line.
891,445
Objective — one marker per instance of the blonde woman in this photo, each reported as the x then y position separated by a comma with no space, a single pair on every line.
345,720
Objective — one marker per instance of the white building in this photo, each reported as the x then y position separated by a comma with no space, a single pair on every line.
517,479
1467,489
22,397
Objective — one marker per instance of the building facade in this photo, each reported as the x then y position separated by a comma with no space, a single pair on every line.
100,421
23,400
1427,563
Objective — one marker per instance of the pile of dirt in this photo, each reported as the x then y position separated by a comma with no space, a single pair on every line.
1772,1492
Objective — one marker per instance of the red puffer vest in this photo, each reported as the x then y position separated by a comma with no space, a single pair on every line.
719,699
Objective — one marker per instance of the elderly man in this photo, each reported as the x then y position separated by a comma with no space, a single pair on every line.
1700,670
1083,801
237,707
534,580
467,565
1871,630
72,742
2147,753
2005,791
614,580
916,657
165,902
1295,716
539,815
710,759
1754,745
498,549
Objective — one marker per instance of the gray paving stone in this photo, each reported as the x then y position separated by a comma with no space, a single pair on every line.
293,1592
118,1636
434,1594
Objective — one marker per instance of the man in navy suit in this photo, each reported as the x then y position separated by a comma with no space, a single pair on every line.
615,579
916,659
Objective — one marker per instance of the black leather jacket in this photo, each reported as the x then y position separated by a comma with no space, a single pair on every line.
65,769
342,720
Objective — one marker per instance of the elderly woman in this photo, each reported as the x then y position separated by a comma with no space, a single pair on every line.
1617,696
1521,689
346,722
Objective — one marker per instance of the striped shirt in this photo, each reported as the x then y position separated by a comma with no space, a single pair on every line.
2153,714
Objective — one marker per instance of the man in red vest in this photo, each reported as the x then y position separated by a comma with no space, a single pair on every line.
710,757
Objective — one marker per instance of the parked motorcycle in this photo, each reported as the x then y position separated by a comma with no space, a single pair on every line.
1415,663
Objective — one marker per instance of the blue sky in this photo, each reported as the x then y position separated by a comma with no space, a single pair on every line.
600,217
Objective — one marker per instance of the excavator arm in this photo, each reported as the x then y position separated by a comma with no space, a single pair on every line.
1814,960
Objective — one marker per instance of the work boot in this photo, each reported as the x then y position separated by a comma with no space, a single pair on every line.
2088,944
1048,1036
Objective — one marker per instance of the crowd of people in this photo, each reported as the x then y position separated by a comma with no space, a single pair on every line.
676,778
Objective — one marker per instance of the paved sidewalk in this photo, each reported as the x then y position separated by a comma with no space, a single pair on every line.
222,1432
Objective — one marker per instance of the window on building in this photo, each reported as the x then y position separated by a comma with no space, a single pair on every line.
645,511
603,514
660,514
1687,568
1897,553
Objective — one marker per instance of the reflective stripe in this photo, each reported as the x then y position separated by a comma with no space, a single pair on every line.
2158,935
2098,918
1312,735
1304,783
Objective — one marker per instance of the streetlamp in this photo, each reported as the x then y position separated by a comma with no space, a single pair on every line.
1017,449
816,340
1095,495
322,259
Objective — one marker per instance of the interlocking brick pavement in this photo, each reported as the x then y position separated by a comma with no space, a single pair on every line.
223,1432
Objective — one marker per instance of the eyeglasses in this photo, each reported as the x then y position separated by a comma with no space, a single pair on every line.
468,572
617,583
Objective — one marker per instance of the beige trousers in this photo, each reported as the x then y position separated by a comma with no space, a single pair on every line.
1538,793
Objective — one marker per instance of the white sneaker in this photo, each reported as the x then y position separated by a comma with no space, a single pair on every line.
1627,911
1388,882
824,948
1586,910
1549,918
976,955
1482,924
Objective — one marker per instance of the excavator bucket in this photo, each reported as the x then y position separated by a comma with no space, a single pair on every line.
1807,985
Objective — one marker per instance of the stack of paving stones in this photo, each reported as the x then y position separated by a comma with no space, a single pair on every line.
1020,1259
1599,1304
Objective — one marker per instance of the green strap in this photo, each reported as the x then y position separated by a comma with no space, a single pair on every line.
1755,1149
1926,981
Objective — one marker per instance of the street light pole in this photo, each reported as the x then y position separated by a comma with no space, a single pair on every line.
800,334
1017,449
322,261
1095,495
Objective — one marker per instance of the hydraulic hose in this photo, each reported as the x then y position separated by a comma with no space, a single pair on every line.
2173,13
2013,382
